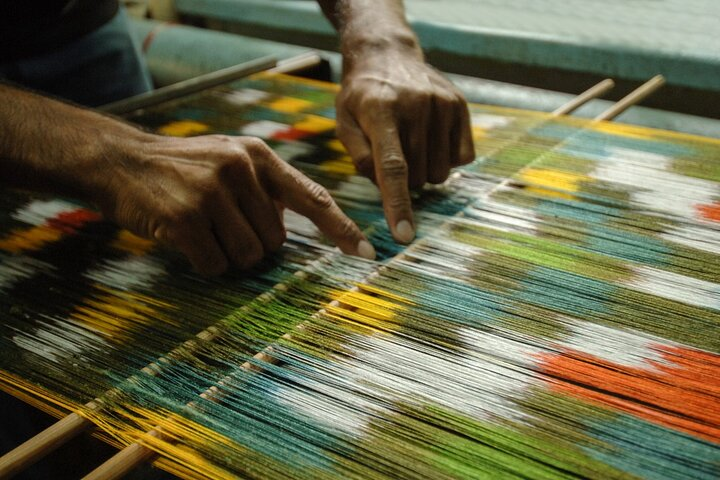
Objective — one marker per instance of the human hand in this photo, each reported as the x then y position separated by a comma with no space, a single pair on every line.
217,199
403,124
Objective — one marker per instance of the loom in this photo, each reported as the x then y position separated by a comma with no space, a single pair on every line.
557,316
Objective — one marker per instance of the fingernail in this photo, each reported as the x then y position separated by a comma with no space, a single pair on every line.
404,231
366,250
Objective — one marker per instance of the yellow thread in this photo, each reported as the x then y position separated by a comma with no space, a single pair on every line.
35,395
315,124
384,293
113,312
131,243
342,166
183,128
336,145
289,105
553,183
30,239
331,87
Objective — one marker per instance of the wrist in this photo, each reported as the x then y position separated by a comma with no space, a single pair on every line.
109,163
396,46
375,28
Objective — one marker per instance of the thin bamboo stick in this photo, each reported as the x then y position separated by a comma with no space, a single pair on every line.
589,94
25,455
633,98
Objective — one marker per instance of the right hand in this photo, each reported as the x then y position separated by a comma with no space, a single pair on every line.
217,199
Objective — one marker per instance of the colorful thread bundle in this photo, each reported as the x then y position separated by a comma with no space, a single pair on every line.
559,316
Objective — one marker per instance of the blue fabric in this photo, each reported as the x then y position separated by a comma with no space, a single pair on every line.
101,67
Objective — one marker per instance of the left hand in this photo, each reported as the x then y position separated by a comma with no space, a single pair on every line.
403,124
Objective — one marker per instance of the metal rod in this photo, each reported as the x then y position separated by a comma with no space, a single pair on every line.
593,92
187,87
634,97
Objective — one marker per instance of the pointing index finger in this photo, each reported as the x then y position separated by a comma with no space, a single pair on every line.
391,170
300,194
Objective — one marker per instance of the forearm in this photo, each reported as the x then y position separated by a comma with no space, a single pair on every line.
370,25
52,146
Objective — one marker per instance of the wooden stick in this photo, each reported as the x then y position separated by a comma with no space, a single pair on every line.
46,441
589,94
633,98
611,113
186,87
297,63
120,465
69,427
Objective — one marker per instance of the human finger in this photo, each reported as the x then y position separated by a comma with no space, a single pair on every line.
356,144
238,238
465,143
439,140
197,243
391,170
415,141
262,215
300,194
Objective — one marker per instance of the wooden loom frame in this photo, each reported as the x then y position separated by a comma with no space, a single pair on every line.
135,454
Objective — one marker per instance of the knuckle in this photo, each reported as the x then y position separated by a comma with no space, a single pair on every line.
445,99
398,202
221,138
320,198
254,145
223,141
238,165
342,131
382,99
394,166
182,218
420,97
459,99
347,228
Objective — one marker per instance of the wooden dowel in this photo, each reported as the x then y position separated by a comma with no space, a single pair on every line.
633,98
589,94
191,85
122,463
23,456
298,63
